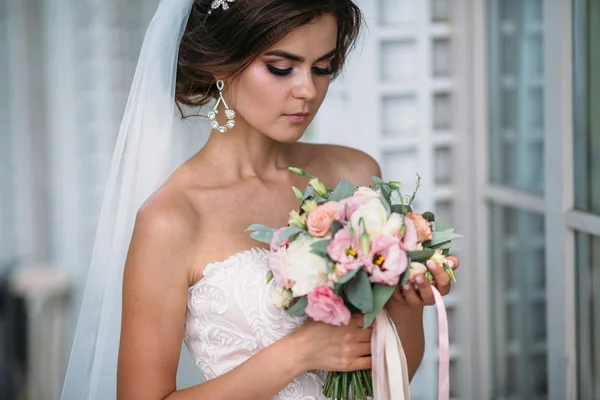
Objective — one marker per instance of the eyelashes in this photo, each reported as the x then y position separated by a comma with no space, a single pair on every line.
285,72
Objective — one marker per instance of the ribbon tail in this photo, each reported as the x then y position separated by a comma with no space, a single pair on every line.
389,361
444,347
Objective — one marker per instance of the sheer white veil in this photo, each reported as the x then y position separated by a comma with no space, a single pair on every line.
153,141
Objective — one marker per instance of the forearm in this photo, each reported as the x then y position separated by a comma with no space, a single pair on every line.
261,377
409,323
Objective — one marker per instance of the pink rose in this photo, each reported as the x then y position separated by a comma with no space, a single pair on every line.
386,261
321,218
409,241
346,250
326,306
278,265
422,226
350,205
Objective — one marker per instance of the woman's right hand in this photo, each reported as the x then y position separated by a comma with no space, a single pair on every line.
335,348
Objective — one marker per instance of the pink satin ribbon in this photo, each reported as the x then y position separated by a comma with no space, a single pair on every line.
444,347
389,359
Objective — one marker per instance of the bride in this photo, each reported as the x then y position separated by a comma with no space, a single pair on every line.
177,228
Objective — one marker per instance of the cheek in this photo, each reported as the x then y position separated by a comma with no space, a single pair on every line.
261,96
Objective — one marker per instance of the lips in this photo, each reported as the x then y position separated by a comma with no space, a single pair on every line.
297,117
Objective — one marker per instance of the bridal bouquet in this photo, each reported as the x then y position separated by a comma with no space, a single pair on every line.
344,251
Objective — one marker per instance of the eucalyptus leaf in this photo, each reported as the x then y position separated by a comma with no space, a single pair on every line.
442,246
421,255
343,190
335,227
445,236
381,295
376,180
309,192
320,247
404,277
441,225
359,293
261,233
289,232
346,278
386,204
298,308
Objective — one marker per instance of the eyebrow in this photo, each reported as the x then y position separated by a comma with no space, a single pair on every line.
293,57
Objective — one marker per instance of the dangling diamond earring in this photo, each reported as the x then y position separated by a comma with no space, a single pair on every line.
229,113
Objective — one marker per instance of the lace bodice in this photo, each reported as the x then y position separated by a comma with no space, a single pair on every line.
230,317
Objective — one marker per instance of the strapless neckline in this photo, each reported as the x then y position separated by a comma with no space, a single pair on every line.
213,266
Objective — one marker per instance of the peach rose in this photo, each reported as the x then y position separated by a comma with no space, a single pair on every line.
321,218
422,226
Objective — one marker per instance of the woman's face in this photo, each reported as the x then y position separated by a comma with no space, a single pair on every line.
282,90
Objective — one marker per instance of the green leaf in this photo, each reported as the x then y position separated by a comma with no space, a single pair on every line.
343,190
346,278
386,204
376,180
401,209
289,232
298,308
441,225
335,227
421,255
359,293
309,192
381,295
445,236
320,248
261,233
441,246
404,277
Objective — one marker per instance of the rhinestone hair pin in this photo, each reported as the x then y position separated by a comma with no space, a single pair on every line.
220,3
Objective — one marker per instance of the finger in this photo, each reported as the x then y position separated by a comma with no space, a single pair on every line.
357,320
441,278
398,295
364,335
411,296
425,290
361,363
361,350
452,262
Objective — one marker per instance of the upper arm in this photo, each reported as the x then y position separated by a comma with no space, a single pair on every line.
155,286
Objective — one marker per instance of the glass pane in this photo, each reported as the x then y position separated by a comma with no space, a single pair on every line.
516,94
587,104
7,223
588,315
518,309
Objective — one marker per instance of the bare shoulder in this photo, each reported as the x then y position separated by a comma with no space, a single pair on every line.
342,162
165,228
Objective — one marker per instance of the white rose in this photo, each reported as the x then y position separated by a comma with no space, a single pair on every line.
281,297
415,269
306,269
438,257
393,225
367,192
374,215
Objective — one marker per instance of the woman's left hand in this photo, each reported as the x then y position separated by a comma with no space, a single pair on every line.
419,293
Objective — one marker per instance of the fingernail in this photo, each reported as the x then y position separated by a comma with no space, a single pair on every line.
406,287
432,265
419,279
450,263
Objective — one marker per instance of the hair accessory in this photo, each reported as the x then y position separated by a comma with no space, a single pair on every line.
220,3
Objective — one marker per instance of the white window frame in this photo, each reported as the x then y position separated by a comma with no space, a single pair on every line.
557,204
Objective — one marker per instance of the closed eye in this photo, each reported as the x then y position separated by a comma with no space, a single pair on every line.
279,71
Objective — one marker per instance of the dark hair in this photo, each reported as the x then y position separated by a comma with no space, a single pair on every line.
225,42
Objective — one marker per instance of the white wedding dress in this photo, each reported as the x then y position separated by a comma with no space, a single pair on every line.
230,317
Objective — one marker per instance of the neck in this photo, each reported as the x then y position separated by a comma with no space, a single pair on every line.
243,152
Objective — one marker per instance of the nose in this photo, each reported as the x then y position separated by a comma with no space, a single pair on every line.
304,87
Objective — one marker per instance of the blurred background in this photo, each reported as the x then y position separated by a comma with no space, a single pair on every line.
496,103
